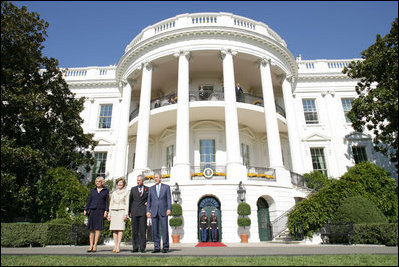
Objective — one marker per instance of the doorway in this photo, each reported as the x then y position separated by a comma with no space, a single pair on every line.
264,225
209,204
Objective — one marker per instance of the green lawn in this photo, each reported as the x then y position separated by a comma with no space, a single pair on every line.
322,260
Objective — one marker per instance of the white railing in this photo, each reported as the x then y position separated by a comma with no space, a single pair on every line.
323,65
89,73
220,19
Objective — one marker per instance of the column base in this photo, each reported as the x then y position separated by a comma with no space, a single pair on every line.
132,178
180,173
236,171
283,176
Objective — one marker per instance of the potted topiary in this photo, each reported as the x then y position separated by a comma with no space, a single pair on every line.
176,221
244,210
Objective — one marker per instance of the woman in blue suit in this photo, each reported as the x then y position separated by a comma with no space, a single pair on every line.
97,209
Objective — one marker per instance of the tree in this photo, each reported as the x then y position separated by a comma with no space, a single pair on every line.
40,116
60,193
365,180
376,108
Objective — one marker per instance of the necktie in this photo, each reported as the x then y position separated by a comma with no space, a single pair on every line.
141,190
158,186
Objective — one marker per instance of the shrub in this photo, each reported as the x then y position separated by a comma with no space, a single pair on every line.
175,222
376,233
58,190
358,210
315,180
176,210
244,209
378,187
364,180
244,222
127,234
60,221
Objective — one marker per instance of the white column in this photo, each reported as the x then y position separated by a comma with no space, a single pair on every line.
293,135
181,168
143,127
234,168
272,132
121,147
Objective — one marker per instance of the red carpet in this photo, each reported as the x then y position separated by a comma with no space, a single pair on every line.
210,244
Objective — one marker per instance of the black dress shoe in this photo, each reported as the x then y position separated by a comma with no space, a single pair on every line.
156,251
165,251
142,251
135,250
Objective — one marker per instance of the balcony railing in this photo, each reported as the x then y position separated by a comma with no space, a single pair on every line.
194,95
149,174
255,173
197,172
189,21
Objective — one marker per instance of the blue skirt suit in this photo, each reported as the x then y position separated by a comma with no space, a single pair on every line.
97,203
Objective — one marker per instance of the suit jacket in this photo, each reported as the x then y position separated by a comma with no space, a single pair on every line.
98,200
136,202
159,205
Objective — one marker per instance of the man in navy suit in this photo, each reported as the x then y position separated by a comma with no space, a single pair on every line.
159,206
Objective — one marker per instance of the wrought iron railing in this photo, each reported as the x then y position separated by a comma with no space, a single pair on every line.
198,171
134,114
261,173
297,179
257,100
149,174
195,95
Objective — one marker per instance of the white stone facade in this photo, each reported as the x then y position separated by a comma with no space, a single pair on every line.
170,60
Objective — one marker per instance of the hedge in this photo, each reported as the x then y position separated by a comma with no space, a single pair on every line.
42,234
376,233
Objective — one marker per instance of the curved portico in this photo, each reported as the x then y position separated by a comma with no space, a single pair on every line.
175,70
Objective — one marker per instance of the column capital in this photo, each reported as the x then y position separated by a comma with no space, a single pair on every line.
149,65
186,53
263,61
225,51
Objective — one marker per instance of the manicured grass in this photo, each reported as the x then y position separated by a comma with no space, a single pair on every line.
322,260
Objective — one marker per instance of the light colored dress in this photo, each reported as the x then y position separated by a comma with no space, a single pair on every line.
118,207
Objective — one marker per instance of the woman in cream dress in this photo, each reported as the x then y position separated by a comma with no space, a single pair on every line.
118,207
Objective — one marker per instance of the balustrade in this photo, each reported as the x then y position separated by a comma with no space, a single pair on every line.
261,173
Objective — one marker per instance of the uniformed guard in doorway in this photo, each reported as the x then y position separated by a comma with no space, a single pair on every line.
214,226
204,226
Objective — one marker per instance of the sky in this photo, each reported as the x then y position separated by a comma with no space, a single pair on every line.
95,33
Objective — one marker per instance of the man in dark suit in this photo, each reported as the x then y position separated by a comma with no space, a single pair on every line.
137,211
159,206
239,93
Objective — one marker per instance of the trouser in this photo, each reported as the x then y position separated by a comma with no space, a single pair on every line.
163,221
203,234
214,233
139,225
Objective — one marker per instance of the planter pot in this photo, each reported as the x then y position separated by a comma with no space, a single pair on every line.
244,238
176,238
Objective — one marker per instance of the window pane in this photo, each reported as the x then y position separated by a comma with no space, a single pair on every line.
347,106
359,154
318,160
207,154
105,116
100,160
310,112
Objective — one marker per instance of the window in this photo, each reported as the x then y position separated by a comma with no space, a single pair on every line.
359,154
309,108
245,154
347,106
134,158
318,160
207,151
104,121
169,156
100,160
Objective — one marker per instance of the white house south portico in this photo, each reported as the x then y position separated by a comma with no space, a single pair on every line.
150,116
